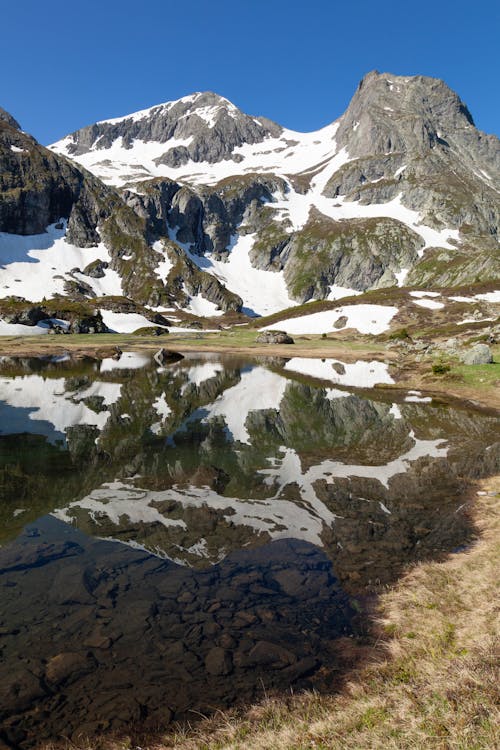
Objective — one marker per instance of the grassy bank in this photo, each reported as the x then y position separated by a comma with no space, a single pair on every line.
429,679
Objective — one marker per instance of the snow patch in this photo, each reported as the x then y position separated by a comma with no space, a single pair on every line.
36,266
126,322
203,307
371,319
263,292
489,296
424,294
429,303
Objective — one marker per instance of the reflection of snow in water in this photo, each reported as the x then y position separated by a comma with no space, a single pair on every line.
258,389
127,361
357,374
47,400
276,516
198,374
290,468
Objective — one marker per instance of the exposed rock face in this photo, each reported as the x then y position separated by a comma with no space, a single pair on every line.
358,254
37,188
6,117
274,337
210,126
414,137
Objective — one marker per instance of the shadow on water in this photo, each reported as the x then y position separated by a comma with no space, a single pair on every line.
179,540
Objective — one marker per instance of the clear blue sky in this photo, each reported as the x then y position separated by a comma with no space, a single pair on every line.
66,64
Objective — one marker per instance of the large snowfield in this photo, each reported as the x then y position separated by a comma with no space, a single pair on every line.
372,319
36,266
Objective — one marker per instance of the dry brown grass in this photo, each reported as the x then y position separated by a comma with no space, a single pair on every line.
431,681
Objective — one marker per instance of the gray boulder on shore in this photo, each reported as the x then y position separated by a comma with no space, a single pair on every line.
480,354
274,337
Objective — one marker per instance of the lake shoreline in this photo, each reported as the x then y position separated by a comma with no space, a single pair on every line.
411,374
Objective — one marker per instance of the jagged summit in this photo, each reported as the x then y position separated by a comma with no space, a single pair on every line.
7,117
201,127
391,113
211,103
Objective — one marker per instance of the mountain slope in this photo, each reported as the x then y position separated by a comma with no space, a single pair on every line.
64,233
406,149
193,205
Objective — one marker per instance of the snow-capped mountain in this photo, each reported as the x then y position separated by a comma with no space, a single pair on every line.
164,140
193,205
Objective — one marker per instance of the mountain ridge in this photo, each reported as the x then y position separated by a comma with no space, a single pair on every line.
202,207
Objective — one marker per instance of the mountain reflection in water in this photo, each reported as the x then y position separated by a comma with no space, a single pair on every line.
175,538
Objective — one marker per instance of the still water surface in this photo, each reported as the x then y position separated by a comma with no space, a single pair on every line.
178,539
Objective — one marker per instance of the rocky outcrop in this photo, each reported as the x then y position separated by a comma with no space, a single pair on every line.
185,279
274,337
479,354
358,254
414,137
7,117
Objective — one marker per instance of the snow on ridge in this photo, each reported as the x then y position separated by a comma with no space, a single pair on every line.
141,114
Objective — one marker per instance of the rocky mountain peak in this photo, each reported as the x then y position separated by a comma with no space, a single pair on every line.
390,113
201,127
6,117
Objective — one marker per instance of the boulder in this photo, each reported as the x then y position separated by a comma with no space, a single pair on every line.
167,357
339,368
274,337
66,665
218,661
271,654
341,322
480,354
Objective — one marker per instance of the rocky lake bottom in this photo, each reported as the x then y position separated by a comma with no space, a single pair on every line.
183,538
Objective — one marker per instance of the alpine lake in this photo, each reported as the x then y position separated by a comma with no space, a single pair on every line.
182,538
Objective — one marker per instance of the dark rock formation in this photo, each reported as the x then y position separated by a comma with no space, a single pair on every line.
274,337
